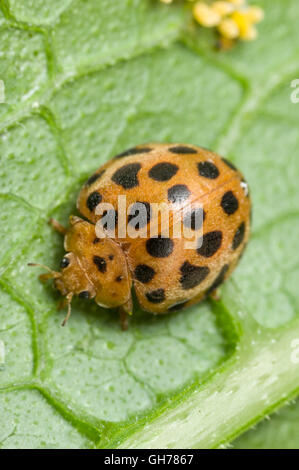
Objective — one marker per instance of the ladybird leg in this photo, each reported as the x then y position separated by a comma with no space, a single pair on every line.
45,277
124,311
123,319
57,226
215,295
68,301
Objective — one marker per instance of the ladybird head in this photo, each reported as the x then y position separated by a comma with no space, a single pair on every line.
96,267
72,278
70,281
91,268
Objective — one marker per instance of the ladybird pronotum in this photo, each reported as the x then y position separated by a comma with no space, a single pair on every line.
206,195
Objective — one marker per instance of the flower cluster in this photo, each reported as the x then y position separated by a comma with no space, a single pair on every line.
233,19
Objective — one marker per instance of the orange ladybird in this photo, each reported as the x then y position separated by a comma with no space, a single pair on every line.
208,199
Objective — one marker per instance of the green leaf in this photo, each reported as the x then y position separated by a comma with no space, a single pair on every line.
278,432
83,81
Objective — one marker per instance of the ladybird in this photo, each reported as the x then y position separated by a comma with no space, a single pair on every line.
206,196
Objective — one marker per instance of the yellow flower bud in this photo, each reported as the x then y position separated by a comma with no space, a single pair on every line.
223,8
237,3
205,15
243,22
250,35
228,28
255,14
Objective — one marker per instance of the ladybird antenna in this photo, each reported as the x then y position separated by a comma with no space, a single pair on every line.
44,277
69,300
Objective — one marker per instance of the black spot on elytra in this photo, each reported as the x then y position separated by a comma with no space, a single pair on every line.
96,240
64,262
192,275
126,176
159,247
229,203
84,294
163,171
177,307
208,170
211,243
178,193
239,236
229,164
144,216
144,273
182,149
100,263
94,177
111,218
219,279
156,296
119,278
111,257
194,219
133,151
93,200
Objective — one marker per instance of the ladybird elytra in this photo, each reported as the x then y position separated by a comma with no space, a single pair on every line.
207,196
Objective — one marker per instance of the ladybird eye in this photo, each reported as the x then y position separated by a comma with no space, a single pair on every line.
64,262
84,294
